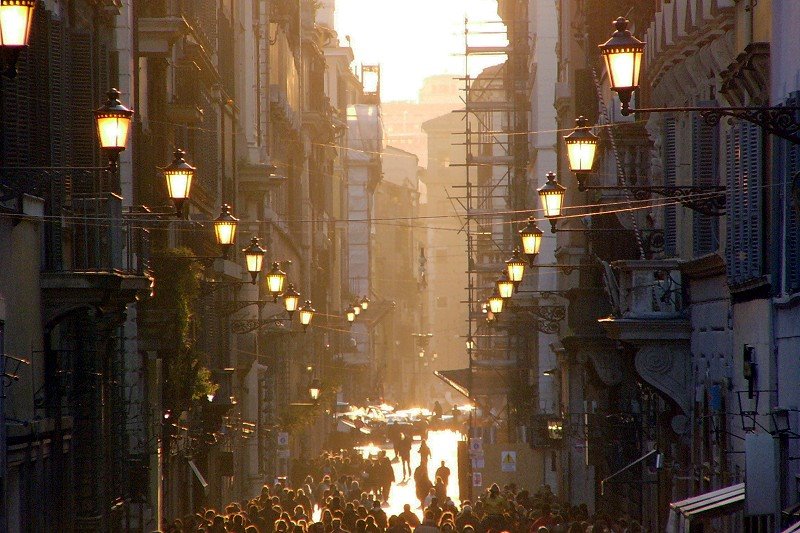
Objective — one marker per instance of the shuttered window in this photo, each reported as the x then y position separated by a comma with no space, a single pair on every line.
669,164
744,171
787,198
705,154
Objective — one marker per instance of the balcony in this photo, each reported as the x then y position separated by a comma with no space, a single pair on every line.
649,315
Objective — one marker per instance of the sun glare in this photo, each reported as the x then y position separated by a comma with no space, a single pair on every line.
414,39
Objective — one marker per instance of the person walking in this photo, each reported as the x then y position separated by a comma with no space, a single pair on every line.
410,517
444,473
405,455
424,453
423,484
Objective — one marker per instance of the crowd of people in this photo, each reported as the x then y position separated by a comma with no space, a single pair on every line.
344,492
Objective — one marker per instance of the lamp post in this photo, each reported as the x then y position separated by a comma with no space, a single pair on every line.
113,122
275,280
16,19
254,258
531,237
225,229
179,175
623,54
306,314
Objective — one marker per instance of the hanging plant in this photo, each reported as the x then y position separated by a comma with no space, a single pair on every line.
177,287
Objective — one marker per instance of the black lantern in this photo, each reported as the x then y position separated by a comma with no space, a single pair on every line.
496,303
254,258
357,307
555,429
16,19
470,343
179,175
515,268
306,314
364,303
113,121
350,315
291,299
504,286
314,388
275,280
581,149
225,229
552,196
780,419
623,55
531,237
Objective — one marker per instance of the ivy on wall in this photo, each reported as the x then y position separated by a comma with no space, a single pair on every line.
177,288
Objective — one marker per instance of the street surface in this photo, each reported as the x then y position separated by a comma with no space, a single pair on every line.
444,447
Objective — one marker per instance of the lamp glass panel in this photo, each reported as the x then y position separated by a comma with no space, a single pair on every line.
113,131
531,243
357,309
291,302
351,316
225,231
624,67
314,393
505,288
551,203
254,262
581,155
305,316
179,183
275,283
516,271
15,24
496,304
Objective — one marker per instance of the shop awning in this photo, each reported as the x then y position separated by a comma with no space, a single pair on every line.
485,381
712,504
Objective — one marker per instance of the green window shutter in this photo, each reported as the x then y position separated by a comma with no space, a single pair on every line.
669,157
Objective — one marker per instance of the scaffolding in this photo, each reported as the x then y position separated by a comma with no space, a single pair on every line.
495,140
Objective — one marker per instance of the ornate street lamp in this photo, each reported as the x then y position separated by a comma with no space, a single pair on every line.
275,280
113,121
552,196
581,149
555,429
531,237
470,343
179,175
254,258
291,299
515,267
350,315
357,308
306,314
496,302
623,55
16,19
364,303
504,286
314,388
225,229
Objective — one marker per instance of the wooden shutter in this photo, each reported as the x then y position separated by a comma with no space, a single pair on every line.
82,128
788,164
705,153
744,178
669,164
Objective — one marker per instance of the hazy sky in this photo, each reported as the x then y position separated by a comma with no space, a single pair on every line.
413,39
